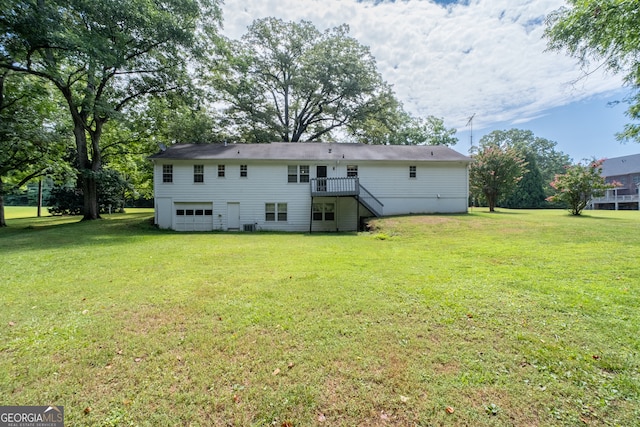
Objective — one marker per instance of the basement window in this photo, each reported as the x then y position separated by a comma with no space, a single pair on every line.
324,211
275,211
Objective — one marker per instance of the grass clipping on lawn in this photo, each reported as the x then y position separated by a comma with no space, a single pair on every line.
517,318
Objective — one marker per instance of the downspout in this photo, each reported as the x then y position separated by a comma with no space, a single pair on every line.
357,213
311,216
337,214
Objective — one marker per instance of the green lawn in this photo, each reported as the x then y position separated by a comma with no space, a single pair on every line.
12,212
518,318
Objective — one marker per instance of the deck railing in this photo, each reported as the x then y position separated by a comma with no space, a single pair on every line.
350,186
370,201
627,200
613,199
334,187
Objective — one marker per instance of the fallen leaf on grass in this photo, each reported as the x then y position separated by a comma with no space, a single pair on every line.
87,410
290,365
383,415
449,410
596,357
276,372
12,323
287,424
322,418
138,359
404,399
236,398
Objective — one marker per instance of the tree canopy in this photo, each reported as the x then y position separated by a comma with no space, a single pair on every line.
602,33
30,140
578,185
495,171
543,163
288,81
103,57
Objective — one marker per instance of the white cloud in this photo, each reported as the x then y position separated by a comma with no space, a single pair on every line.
487,57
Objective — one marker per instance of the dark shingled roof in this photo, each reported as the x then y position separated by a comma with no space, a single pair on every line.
624,165
294,151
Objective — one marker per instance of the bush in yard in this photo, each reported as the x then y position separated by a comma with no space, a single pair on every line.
65,200
578,185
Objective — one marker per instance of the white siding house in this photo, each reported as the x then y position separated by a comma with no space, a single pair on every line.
303,186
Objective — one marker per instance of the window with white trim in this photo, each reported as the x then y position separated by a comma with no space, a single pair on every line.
167,173
304,173
275,212
352,171
298,173
324,211
198,173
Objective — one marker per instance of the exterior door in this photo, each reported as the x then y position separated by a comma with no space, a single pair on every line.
321,172
233,216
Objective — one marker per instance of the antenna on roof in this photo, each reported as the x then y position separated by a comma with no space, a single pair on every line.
470,124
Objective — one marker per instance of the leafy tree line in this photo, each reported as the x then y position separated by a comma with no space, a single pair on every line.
108,81
529,187
512,169
133,74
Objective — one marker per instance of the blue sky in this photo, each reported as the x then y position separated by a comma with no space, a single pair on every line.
451,59
584,129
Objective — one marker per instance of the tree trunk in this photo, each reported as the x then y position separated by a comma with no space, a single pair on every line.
39,197
3,222
86,175
491,200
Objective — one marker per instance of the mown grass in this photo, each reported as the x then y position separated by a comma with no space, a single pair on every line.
524,318
12,212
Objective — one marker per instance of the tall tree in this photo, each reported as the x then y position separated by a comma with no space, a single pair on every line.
30,143
544,162
288,81
103,56
578,185
424,131
529,191
398,127
495,172
602,33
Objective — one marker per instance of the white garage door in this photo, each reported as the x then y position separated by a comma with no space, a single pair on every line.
193,216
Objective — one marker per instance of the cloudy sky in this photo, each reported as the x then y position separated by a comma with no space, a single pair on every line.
482,58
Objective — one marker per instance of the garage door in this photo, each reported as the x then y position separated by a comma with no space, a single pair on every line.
193,216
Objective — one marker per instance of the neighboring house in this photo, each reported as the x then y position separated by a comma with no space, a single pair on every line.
626,172
303,186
